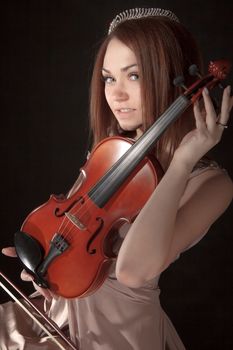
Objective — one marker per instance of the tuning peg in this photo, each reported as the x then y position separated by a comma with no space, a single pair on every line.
179,82
194,71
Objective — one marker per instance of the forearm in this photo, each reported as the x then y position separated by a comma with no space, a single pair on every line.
148,241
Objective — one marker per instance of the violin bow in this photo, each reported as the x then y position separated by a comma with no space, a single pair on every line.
43,316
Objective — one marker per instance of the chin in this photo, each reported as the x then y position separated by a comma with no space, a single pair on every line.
129,127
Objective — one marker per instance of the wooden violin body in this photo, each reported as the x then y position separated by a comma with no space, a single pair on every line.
89,230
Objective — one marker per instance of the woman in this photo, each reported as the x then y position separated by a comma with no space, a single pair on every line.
131,86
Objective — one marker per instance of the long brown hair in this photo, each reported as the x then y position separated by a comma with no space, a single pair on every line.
164,49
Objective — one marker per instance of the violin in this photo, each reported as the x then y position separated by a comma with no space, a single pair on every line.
67,244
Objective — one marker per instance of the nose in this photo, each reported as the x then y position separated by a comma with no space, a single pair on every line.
119,92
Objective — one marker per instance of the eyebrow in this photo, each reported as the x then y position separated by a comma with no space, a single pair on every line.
124,69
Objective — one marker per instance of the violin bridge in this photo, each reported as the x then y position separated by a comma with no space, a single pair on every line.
75,221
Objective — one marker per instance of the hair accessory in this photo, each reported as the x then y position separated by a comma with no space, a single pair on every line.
140,13
223,125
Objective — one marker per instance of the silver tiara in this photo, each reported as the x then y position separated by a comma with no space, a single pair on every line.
140,13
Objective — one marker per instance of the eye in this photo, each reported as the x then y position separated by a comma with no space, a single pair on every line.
134,76
108,79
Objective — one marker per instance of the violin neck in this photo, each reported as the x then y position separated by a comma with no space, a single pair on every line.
121,170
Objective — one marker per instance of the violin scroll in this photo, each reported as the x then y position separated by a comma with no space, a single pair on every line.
217,70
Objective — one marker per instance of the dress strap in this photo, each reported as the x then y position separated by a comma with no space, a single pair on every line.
204,164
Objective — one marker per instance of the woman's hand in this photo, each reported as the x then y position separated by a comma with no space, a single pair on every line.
48,294
208,132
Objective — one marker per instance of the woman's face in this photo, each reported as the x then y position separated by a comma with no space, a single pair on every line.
122,85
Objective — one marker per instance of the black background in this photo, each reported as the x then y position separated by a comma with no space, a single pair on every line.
47,53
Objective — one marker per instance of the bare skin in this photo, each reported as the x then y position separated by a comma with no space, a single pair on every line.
169,219
181,209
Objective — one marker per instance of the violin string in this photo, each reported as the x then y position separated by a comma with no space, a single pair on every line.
64,224
88,203
116,172
68,228
66,221
72,228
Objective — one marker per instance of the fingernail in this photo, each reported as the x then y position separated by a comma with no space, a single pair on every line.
229,89
206,91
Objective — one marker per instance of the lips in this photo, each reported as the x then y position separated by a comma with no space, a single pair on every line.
125,110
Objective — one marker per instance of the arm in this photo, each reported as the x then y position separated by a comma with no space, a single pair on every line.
164,228
179,211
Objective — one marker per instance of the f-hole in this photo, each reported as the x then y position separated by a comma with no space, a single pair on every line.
90,250
59,214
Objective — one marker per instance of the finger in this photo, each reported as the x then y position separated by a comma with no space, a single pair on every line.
210,111
47,294
26,276
29,278
9,251
227,103
200,120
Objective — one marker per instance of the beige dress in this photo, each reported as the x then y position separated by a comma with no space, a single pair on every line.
115,317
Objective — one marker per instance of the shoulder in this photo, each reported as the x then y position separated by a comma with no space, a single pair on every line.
209,179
